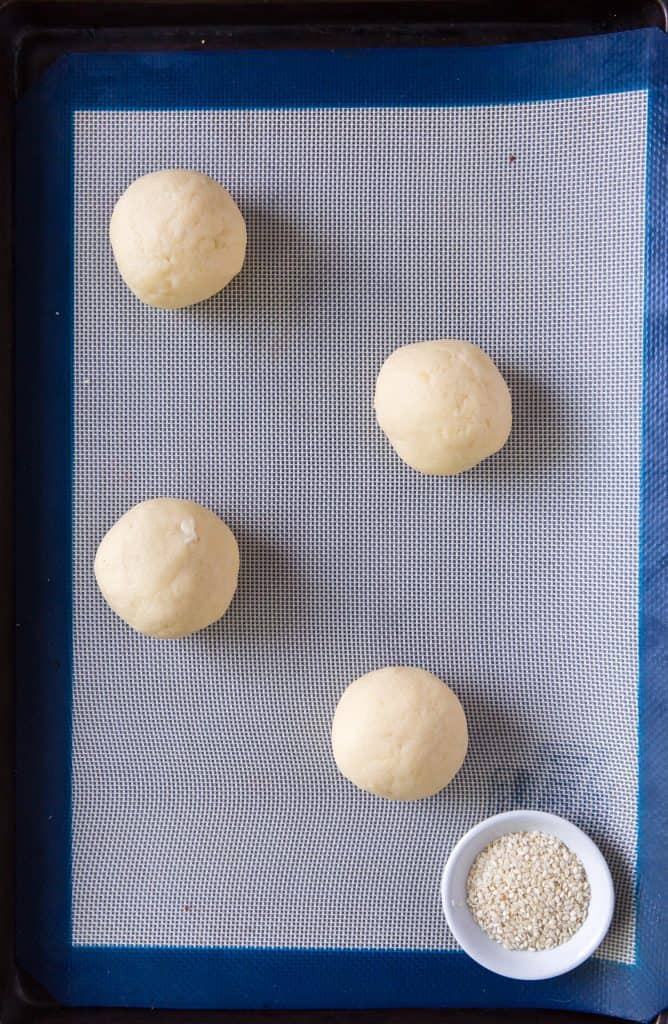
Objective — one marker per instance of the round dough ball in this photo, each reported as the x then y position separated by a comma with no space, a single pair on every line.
178,237
443,405
399,733
168,567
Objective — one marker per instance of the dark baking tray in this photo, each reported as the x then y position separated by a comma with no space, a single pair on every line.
32,36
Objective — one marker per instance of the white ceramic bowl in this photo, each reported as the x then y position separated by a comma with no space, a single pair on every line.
519,963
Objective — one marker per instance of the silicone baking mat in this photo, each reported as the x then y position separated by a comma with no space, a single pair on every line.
200,848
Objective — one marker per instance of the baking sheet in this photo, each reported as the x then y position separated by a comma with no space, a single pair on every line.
208,830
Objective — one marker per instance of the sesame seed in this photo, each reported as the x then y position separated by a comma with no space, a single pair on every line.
528,891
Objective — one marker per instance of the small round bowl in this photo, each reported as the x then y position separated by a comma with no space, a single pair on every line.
521,964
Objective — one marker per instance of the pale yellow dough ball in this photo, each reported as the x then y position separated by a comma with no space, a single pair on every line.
168,567
178,237
399,733
443,405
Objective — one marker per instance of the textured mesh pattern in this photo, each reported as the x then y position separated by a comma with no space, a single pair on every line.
207,808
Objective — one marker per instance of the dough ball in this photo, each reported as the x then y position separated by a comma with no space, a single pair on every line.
178,237
168,567
399,733
443,405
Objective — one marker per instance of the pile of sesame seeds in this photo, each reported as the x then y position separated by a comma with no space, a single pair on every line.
528,891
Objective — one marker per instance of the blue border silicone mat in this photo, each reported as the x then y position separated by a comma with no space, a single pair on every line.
247,978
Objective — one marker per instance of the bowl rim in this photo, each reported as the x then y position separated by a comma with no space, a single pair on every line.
524,965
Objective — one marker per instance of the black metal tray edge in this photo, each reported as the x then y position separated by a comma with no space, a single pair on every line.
33,34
